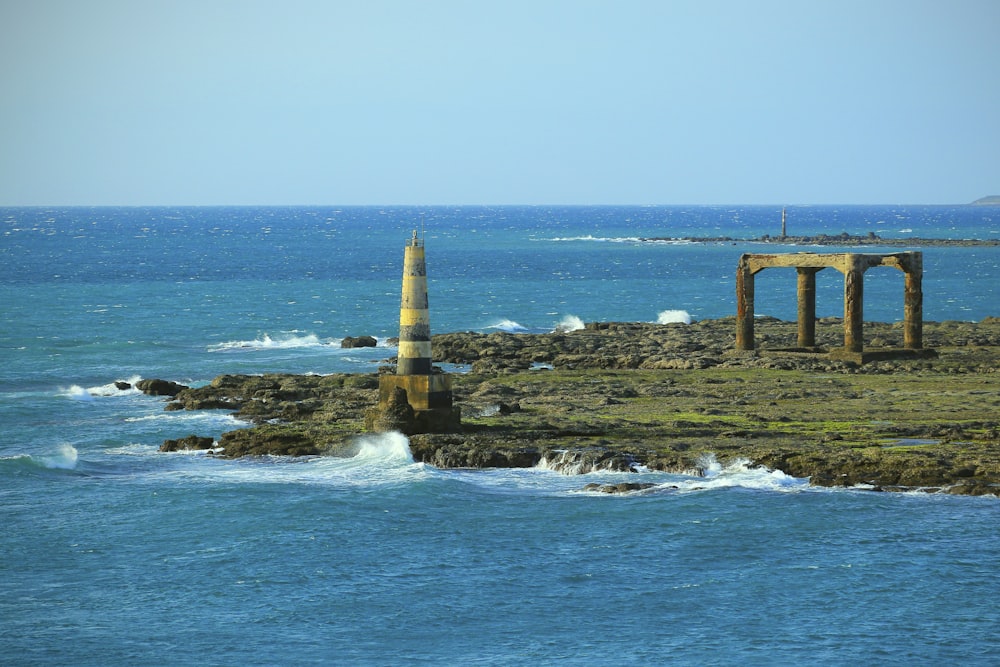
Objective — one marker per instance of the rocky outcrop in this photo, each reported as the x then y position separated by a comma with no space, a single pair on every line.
619,395
191,442
395,415
359,341
158,387
842,239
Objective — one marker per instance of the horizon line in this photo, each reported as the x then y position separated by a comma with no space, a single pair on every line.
977,202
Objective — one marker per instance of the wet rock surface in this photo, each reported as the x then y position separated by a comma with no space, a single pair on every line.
617,395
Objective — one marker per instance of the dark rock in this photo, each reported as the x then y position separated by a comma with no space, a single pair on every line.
188,443
122,386
621,487
156,387
271,441
395,415
359,341
760,406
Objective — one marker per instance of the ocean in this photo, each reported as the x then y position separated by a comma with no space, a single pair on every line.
116,554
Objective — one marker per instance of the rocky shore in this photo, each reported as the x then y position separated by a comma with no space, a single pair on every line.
621,395
844,239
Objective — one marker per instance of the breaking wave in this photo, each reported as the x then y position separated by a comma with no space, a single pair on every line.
78,393
392,447
673,317
601,239
378,460
621,239
510,326
569,323
266,342
65,458
744,474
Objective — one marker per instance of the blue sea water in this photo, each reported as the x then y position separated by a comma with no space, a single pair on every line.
116,554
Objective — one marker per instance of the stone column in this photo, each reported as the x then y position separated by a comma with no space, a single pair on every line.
854,293
807,306
744,305
913,302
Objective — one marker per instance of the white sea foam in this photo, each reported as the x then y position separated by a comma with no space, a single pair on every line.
65,458
673,317
380,460
385,447
202,416
569,323
266,342
741,473
620,239
111,389
510,326
76,392
133,449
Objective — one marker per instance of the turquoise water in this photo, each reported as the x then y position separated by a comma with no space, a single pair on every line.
115,554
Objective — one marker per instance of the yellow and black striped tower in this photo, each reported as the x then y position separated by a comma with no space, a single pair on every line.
428,390
414,316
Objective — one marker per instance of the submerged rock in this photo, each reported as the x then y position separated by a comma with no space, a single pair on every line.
191,442
621,487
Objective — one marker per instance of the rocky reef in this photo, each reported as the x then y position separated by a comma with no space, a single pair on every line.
619,395
842,239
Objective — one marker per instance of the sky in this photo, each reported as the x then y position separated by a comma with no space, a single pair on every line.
337,102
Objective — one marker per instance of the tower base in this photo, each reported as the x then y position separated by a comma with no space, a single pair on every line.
415,404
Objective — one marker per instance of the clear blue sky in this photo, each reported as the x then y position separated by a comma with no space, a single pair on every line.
498,102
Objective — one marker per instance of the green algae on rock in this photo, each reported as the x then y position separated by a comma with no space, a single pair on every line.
617,395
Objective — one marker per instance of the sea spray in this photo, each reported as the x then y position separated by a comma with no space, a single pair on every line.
265,342
569,323
76,392
584,462
509,326
115,388
65,458
673,317
741,472
388,447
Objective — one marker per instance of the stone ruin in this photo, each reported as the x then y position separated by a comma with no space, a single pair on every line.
853,267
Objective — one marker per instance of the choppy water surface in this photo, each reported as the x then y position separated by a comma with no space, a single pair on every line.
116,554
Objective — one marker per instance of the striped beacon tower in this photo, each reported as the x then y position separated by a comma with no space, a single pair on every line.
414,315
428,392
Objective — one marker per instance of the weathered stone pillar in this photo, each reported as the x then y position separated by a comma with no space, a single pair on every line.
854,293
807,306
913,303
744,305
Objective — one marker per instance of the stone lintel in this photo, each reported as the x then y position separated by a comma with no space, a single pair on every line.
842,262
853,267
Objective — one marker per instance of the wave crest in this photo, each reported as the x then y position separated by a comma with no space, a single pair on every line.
743,473
673,317
569,323
510,326
391,447
65,458
265,342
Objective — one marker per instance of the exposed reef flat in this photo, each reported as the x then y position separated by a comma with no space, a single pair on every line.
844,239
617,395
